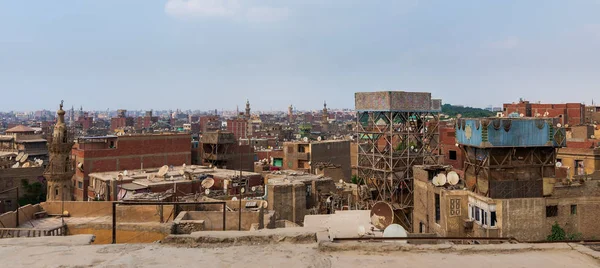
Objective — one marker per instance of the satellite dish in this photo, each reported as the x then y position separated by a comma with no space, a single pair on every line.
298,136
435,181
243,190
395,230
19,156
442,179
305,139
24,158
183,165
593,137
341,181
207,191
566,125
265,204
125,173
558,164
162,171
234,198
546,114
207,183
16,165
27,164
319,138
181,172
253,188
521,115
453,178
558,125
361,231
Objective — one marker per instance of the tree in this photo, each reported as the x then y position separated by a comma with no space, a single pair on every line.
557,233
34,193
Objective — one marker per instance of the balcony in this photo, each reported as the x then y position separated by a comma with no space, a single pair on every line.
303,156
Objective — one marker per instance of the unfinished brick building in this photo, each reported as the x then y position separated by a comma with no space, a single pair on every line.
110,153
570,114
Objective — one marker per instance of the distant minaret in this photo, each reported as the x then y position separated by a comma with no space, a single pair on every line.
291,114
325,119
71,115
60,170
247,109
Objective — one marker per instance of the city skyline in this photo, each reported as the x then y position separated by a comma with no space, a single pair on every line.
209,54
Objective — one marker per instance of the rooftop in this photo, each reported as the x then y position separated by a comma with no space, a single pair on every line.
20,129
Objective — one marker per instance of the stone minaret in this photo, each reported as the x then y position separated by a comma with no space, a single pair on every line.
325,119
60,170
248,109
291,114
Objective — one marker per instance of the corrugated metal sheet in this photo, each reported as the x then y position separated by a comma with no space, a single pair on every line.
509,132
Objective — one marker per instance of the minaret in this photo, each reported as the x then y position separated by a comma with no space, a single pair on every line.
291,114
248,109
59,171
325,119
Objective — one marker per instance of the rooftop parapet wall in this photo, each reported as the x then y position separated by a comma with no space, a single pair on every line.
399,101
510,132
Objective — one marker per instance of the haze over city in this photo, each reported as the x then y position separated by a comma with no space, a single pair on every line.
209,54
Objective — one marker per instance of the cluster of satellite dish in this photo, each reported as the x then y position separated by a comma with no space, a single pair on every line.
441,179
22,161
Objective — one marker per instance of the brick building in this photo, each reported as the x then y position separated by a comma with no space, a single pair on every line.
453,155
569,113
239,127
306,156
110,153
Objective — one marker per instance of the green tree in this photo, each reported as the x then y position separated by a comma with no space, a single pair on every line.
34,193
557,233
466,112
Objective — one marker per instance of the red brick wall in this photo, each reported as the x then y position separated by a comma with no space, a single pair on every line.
447,144
130,151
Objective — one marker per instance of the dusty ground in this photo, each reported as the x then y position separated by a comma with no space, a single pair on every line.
75,254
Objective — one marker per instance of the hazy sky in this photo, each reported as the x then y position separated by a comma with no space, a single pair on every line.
207,54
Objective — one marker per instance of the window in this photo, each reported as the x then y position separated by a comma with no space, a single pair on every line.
56,191
551,211
454,207
484,217
437,208
573,209
421,227
493,218
452,155
579,168
80,185
112,144
477,215
558,160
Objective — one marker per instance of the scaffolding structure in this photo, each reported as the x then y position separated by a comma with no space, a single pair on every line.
395,130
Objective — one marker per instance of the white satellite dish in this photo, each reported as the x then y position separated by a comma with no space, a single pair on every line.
341,181
546,114
162,171
207,191
521,115
566,125
558,164
27,164
395,230
453,178
593,137
558,125
125,173
243,190
16,165
183,165
24,158
298,136
319,138
265,204
207,183
181,172
305,139
253,188
19,156
435,181
442,179
234,198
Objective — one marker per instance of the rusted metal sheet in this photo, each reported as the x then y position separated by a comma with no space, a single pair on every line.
395,101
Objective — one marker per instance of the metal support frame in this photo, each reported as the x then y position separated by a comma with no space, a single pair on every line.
497,166
390,143
176,208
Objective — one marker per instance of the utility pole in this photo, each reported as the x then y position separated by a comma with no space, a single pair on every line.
240,190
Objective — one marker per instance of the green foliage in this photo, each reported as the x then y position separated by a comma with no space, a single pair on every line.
356,180
34,193
559,234
466,112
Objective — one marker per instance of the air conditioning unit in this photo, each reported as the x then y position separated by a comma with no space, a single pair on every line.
468,224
